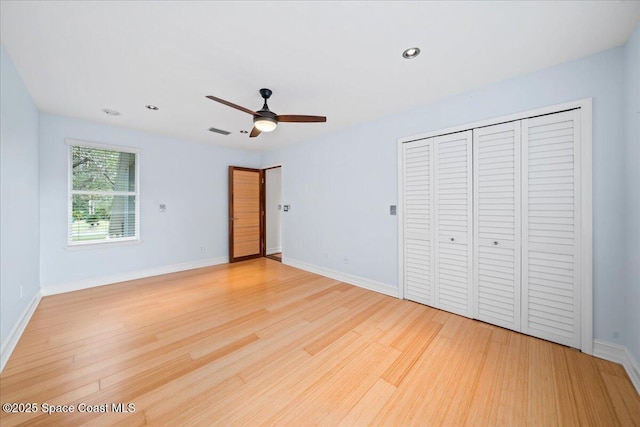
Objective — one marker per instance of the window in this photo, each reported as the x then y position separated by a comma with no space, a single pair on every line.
103,194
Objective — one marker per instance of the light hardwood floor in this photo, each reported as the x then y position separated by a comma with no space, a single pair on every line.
261,343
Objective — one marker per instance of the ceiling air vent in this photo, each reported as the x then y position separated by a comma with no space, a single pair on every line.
220,131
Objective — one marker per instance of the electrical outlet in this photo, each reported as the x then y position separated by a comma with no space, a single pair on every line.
163,207
345,259
202,248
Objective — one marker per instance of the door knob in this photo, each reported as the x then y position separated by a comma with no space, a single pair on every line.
495,243
452,239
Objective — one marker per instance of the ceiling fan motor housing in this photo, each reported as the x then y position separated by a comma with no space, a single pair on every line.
266,113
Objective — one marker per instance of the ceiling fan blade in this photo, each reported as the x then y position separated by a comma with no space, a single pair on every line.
231,104
254,132
292,118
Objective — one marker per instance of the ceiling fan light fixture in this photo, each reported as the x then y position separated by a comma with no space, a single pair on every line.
265,124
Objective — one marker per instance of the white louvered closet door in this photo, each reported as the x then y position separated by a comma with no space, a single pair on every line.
551,227
453,222
496,165
418,221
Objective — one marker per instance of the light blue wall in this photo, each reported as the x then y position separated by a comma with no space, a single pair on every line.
19,213
339,189
340,186
632,206
189,177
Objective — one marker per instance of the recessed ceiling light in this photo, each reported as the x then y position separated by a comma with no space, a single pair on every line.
152,107
411,53
244,131
111,112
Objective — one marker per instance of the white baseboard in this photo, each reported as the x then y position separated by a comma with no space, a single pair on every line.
10,343
271,251
619,354
372,285
140,274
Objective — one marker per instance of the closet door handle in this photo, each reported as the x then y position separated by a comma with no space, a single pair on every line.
452,239
495,243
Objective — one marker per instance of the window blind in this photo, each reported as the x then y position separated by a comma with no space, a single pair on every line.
103,195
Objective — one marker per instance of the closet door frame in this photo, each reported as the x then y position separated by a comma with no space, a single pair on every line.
586,279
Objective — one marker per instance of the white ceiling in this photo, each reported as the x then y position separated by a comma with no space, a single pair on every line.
339,59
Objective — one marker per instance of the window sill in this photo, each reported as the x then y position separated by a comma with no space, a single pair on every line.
101,245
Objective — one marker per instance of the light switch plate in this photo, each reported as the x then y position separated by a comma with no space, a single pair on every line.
163,207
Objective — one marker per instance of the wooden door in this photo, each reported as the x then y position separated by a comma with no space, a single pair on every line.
496,169
453,222
246,209
551,224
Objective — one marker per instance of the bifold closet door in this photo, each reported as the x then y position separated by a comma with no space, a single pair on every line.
452,167
418,220
551,224
496,166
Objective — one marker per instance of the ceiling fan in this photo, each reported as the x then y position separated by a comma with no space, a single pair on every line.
265,120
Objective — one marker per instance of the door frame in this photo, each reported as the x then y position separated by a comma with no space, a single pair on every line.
231,213
586,247
264,217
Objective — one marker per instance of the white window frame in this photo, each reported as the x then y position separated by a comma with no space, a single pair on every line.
70,193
